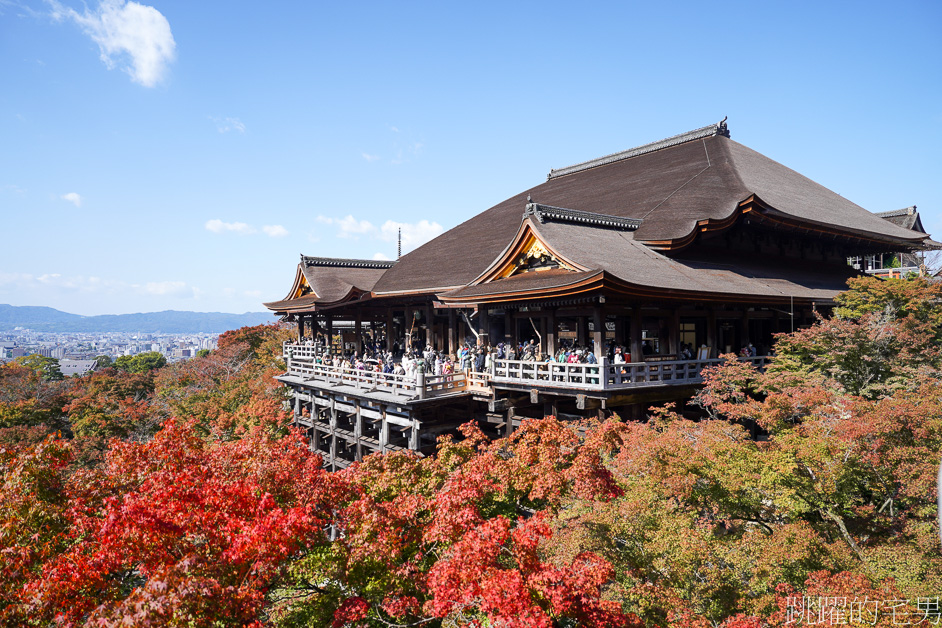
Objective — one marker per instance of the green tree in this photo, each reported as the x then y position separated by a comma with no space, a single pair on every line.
48,368
104,361
140,363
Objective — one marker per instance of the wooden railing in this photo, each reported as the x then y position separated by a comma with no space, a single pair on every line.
302,362
478,382
606,376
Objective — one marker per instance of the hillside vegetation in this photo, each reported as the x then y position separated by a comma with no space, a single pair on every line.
180,496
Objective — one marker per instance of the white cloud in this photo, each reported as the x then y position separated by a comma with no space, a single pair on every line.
349,226
224,125
58,281
129,35
167,288
73,198
15,279
218,226
380,256
275,231
369,157
413,234
50,279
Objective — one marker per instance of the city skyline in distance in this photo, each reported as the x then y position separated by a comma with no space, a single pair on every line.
45,319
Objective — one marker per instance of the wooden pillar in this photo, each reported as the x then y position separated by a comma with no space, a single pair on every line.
358,333
452,324
390,332
329,323
414,435
675,331
300,327
383,432
483,325
509,426
598,331
429,325
580,330
551,332
635,332
358,432
712,337
510,330
333,434
744,338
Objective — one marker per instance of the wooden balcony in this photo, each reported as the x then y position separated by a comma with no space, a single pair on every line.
605,376
600,377
302,363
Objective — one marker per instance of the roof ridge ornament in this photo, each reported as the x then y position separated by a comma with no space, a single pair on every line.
338,262
545,213
712,130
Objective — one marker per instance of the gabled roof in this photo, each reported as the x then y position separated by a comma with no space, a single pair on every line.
907,218
327,281
597,253
673,187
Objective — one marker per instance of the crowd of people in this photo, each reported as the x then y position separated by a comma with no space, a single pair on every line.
472,356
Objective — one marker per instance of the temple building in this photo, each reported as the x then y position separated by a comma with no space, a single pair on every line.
676,252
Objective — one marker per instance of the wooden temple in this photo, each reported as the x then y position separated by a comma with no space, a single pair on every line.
694,242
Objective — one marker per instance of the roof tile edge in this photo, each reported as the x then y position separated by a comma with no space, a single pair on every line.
719,128
337,262
547,212
906,211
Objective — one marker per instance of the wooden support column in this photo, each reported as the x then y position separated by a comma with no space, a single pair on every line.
329,323
297,407
635,333
551,332
711,332
510,330
743,330
300,327
383,432
483,325
598,331
358,432
390,325
358,333
452,330
675,331
580,330
333,434
414,435
509,426
429,325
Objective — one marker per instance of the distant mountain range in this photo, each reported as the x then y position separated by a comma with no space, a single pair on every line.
168,322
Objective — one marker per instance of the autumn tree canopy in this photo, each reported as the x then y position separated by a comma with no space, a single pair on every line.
181,496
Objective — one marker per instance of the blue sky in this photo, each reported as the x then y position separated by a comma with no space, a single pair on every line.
181,155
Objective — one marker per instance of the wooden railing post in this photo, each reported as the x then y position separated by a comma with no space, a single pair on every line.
420,380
